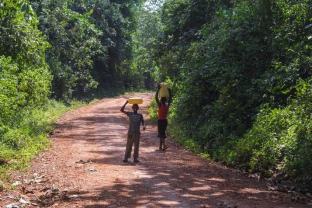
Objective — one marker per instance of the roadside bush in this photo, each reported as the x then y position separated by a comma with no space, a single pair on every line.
21,142
10,100
280,140
25,78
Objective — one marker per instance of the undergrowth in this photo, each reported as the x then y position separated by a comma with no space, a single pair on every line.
20,143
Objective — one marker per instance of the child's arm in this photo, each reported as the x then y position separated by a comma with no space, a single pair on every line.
156,96
123,108
143,124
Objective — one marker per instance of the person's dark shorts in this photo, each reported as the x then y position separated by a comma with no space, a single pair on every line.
162,126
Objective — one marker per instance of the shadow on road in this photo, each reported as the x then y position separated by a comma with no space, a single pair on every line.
176,178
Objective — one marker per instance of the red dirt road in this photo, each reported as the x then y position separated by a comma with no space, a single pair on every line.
96,135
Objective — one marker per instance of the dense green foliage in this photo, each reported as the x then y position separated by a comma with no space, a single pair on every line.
25,79
91,45
19,144
241,73
145,46
74,44
280,139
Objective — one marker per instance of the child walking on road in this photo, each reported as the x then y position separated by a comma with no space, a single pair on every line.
163,109
135,121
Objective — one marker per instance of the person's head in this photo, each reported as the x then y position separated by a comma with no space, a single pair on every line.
163,100
135,107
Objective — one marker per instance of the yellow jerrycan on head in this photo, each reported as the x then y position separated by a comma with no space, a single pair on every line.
163,91
135,101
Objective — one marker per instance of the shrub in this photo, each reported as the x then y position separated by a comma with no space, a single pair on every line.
280,139
21,142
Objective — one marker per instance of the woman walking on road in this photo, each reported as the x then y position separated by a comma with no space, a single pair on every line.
163,109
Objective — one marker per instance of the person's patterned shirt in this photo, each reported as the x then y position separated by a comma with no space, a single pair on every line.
135,120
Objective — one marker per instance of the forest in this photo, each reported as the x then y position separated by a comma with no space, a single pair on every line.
240,71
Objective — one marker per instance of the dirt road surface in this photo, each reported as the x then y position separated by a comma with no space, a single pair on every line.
84,168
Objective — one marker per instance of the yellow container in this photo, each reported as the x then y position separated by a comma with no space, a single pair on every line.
135,101
164,91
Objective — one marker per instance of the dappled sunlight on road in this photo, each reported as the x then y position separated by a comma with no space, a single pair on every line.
86,159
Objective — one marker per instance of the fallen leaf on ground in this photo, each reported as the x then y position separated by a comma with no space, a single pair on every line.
16,183
14,205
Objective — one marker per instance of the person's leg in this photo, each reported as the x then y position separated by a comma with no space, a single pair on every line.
128,147
158,127
136,147
162,133
165,124
161,147
160,143
159,135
